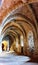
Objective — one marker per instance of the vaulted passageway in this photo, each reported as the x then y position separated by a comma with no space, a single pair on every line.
21,31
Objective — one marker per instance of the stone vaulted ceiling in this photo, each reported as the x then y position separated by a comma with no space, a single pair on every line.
21,20
7,5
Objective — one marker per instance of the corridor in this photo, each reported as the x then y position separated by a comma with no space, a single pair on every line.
18,32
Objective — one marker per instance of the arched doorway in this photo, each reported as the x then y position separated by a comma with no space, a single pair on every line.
4,45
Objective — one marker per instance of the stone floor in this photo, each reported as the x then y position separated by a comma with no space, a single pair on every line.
13,59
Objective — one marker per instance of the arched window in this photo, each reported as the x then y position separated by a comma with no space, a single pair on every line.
30,40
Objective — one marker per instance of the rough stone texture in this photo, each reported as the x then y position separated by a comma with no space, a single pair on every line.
8,5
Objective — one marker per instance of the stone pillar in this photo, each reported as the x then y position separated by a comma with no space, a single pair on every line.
22,43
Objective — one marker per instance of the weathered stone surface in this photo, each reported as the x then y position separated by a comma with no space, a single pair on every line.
8,5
